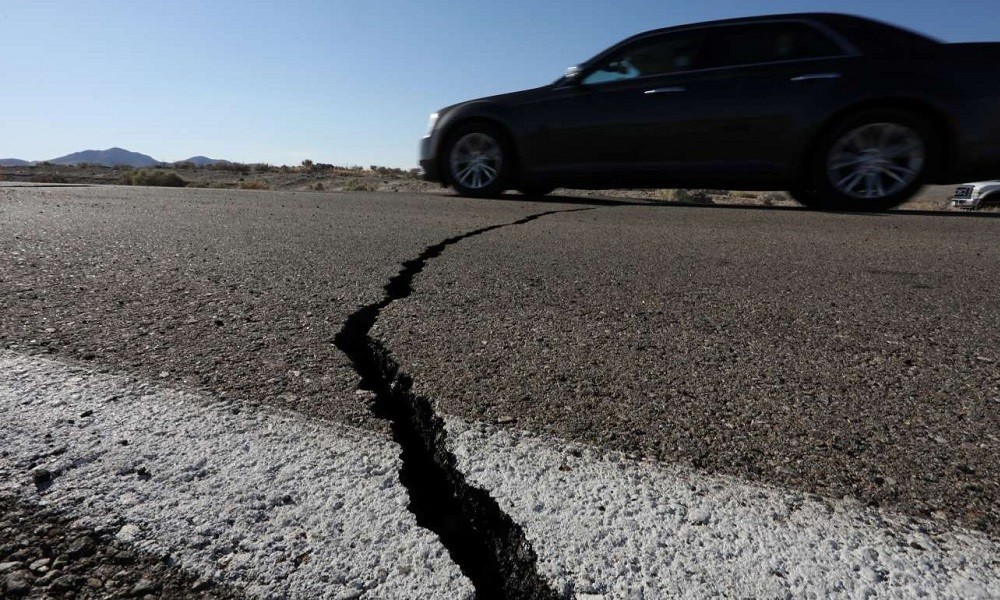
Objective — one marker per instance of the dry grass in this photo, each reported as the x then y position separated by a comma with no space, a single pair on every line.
254,184
687,196
153,178
360,186
49,178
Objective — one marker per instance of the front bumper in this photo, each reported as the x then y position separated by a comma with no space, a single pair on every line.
965,197
428,158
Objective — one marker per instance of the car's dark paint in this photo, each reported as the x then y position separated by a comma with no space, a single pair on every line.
751,127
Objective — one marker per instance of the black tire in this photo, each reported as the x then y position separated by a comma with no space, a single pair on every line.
453,165
822,192
536,191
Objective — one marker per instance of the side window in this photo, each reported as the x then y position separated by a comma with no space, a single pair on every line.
768,42
655,56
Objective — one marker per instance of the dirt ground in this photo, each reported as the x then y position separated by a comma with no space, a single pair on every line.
330,178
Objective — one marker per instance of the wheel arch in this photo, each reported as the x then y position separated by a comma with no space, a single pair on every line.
936,117
449,128
990,196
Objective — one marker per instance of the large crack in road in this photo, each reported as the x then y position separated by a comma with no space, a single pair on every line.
489,547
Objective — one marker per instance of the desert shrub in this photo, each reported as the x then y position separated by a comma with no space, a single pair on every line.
157,178
360,186
48,178
186,165
771,198
231,166
318,186
254,184
691,196
387,171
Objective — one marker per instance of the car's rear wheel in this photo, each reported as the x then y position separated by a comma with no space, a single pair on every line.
478,160
871,161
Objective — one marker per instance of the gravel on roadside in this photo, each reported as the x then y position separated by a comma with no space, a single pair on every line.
43,554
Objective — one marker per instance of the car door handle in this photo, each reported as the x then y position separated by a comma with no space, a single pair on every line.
666,90
816,76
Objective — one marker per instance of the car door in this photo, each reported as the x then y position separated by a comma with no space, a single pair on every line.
763,86
621,118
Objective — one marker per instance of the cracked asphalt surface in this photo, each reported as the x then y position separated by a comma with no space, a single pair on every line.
237,293
847,355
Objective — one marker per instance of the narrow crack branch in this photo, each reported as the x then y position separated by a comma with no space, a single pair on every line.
489,547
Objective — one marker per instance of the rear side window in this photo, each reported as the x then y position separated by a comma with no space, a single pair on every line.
737,45
880,40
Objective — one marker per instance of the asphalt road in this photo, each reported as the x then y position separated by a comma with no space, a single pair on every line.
842,355
239,293
846,355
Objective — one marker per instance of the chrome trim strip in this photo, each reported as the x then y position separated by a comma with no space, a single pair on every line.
700,71
666,90
815,76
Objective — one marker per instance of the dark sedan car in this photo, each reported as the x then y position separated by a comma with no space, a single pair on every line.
844,112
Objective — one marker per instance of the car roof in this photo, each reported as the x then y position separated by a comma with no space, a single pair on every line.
835,20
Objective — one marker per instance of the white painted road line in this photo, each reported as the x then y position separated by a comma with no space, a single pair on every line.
272,502
607,527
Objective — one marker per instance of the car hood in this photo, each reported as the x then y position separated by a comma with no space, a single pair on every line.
508,99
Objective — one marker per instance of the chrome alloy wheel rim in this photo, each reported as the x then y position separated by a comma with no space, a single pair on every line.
476,159
876,160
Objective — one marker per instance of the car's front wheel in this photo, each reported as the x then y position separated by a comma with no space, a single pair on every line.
478,160
873,160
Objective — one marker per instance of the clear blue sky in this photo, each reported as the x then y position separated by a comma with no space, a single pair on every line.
340,81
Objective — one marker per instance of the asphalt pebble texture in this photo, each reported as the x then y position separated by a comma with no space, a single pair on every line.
606,526
45,554
234,292
267,501
846,355
850,356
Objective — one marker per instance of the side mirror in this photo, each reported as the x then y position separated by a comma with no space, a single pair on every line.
573,74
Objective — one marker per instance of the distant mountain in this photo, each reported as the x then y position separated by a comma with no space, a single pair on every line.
203,161
111,157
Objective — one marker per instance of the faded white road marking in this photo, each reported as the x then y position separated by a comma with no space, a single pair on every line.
278,504
607,527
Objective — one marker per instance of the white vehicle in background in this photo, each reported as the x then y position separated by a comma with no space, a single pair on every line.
974,195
